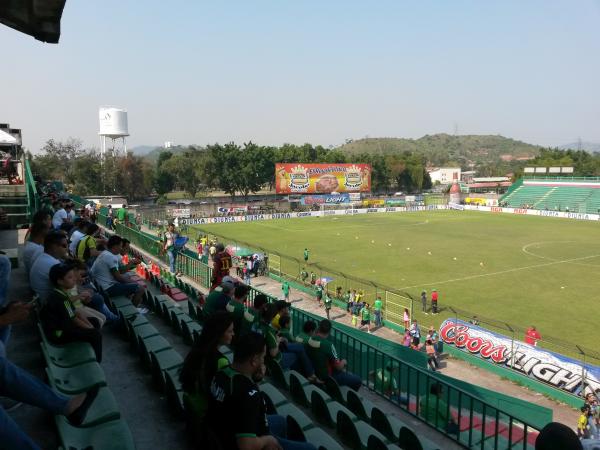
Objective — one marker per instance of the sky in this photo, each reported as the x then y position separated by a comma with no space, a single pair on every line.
318,71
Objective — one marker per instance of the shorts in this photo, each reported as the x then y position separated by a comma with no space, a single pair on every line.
365,322
125,289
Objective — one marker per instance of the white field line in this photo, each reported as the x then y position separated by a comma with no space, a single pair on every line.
501,272
525,249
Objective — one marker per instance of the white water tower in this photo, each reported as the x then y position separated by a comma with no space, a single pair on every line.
113,125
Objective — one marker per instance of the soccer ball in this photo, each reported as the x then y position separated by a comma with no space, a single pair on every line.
429,253
454,258
407,248
481,264
372,242
389,245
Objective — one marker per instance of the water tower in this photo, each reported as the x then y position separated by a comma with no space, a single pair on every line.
113,125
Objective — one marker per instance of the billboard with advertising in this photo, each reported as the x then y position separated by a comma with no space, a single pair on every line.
294,178
325,199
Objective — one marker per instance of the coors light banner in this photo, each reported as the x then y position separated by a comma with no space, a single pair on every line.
542,365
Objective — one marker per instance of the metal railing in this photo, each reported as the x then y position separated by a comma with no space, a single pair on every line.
33,198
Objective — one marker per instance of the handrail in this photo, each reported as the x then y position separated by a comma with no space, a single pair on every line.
33,198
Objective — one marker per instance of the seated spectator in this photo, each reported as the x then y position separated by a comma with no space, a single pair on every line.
236,307
60,321
237,413
200,366
218,298
105,271
5,270
76,235
284,329
434,409
131,264
386,381
86,249
82,297
282,308
308,330
55,251
291,355
252,316
325,359
34,246
556,436
61,219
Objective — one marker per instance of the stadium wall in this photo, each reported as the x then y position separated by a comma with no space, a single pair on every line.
528,212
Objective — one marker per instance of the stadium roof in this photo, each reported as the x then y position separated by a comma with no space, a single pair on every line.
37,18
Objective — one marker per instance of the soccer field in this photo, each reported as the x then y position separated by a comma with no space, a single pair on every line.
520,269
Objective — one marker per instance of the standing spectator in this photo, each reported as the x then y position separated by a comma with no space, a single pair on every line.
313,278
365,317
431,357
5,270
592,402
377,306
306,254
325,359
532,336
347,300
424,301
415,333
406,318
110,218
199,248
328,302
434,301
434,337
122,216
249,269
407,338
356,307
199,368
285,287
303,275
105,271
319,293
221,264
61,322
237,413
169,246
582,423
55,250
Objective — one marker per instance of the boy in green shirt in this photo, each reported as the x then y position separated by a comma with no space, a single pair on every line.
285,287
365,317
377,306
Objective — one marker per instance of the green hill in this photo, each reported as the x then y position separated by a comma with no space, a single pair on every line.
443,148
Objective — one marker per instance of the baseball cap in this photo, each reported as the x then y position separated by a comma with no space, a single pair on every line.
228,283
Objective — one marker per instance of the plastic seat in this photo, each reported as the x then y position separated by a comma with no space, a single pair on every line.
144,332
375,443
337,392
70,355
408,439
280,378
151,345
74,380
174,392
162,361
321,440
362,408
127,310
113,435
166,308
300,388
273,398
356,434
296,419
103,409
120,302
389,426
187,331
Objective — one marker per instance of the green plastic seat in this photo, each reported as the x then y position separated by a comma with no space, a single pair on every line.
192,309
188,329
74,380
70,355
127,311
174,391
160,362
273,398
280,378
121,301
408,439
113,435
151,345
389,426
289,410
300,388
355,434
321,440
144,331
337,392
327,412
103,409
166,308
362,408
174,315
139,320
374,443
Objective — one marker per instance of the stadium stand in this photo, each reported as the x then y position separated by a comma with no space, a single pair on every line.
552,195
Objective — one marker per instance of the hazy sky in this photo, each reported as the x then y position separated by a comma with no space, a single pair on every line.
319,71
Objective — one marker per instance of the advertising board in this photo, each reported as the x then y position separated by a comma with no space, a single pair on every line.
293,178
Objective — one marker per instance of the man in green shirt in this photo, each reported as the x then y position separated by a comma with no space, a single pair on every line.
306,253
218,299
365,317
328,302
347,301
325,360
308,330
122,214
251,317
319,294
285,287
237,309
377,306
303,275
435,410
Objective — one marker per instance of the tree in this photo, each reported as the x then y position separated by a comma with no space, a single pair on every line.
131,177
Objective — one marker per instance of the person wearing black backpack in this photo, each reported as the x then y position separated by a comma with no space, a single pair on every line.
86,247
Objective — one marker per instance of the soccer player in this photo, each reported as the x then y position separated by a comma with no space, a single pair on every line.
434,301
304,275
306,254
424,301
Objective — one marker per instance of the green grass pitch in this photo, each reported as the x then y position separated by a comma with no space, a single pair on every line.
520,269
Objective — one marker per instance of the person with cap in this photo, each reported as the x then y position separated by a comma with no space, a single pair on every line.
221,265
434,301
219,297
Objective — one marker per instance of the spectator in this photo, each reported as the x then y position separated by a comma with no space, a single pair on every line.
169,246
61,322
356,307
365,317
327,301
252,317
434,301
285,287
218,299
406,318
55,250
474,321
60,220
319,293
105,271
82,297
122,216
221,265
435,409
556,436
532,336
424,301
35,245
284,331
407,338
86,246
237,413
236,308
386,381
582,424
110,218
431,357
282,308
308,330
377,307
325,359
593,421
415,333
348,299
200,366
124,268
78,233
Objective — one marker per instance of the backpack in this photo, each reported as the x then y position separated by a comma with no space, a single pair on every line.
86,253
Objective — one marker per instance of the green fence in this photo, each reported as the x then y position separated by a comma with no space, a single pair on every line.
33,198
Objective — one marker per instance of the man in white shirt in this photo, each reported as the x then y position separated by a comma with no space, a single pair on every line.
105,271
55,250
60,217
77,235
34,247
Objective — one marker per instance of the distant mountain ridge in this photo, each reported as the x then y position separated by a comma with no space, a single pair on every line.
443,148
592,147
